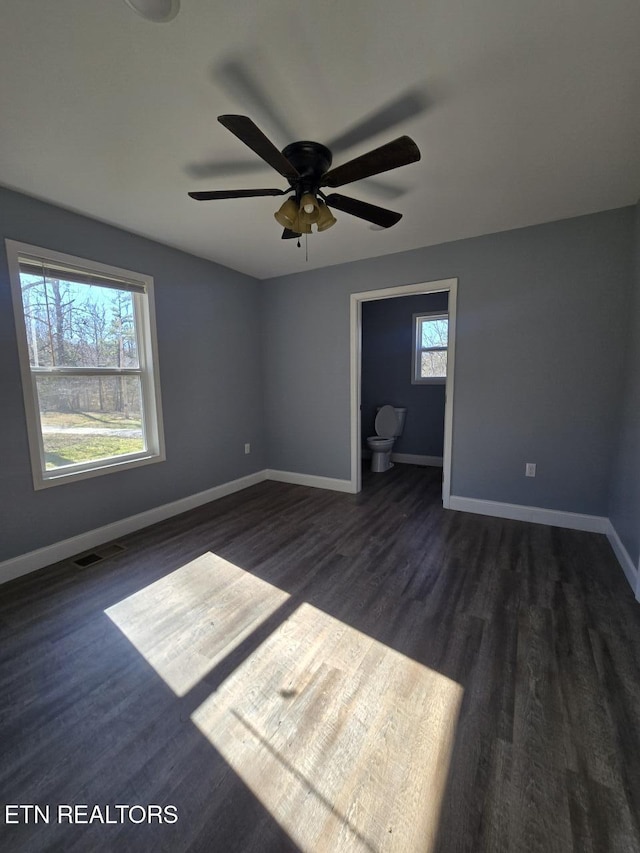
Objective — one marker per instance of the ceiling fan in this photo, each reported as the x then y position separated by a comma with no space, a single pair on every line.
307,167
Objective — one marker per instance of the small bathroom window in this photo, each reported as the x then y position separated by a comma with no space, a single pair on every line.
431,339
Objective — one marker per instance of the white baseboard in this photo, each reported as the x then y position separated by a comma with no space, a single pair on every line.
34,560
42,557
631,572
556,518
38,559
410,459
417,459
309,480
535,514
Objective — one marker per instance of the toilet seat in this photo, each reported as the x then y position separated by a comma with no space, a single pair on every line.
386,422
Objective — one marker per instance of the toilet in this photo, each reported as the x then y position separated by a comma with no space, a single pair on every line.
389,425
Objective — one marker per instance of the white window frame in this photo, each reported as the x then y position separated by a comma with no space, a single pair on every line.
141,287
418,349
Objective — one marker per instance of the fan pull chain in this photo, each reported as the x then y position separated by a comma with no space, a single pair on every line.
306,246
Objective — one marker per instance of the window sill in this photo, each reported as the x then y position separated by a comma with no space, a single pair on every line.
59,478
435,380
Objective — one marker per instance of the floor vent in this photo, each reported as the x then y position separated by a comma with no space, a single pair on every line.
103,553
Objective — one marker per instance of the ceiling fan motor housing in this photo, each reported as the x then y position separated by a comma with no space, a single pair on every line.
312,161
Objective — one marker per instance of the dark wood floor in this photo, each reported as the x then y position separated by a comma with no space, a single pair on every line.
295,669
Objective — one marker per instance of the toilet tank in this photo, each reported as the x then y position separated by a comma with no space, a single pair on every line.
401,413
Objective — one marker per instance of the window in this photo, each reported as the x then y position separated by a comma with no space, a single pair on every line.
86,336
430,348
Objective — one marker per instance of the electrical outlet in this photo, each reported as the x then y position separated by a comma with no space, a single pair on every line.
529,469
247,448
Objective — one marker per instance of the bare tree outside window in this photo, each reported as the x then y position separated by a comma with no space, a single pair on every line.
430,353
88,375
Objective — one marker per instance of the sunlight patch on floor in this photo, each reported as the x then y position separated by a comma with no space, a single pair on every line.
344,740
191,619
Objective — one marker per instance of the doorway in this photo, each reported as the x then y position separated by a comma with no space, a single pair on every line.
450,285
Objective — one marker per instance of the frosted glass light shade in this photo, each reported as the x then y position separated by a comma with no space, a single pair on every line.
301,227
288,214
325,217
158,11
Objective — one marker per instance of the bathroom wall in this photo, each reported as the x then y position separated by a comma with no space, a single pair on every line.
387,344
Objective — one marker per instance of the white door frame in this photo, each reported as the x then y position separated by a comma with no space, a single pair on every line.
448,284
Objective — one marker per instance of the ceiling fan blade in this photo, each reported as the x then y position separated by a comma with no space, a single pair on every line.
213,194
215,169
243,79
254,138
371,212
400,152
383,190
405,106
289,235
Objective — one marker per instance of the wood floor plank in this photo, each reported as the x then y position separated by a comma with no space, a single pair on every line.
297,669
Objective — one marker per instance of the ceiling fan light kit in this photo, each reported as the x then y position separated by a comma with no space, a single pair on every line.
306,166
326,218
157,11
294,218
287,214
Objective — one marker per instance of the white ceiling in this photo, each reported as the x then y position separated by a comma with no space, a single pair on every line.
532,113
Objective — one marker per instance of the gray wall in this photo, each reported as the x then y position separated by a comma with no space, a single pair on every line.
210,344
624,508
387,344
538,373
